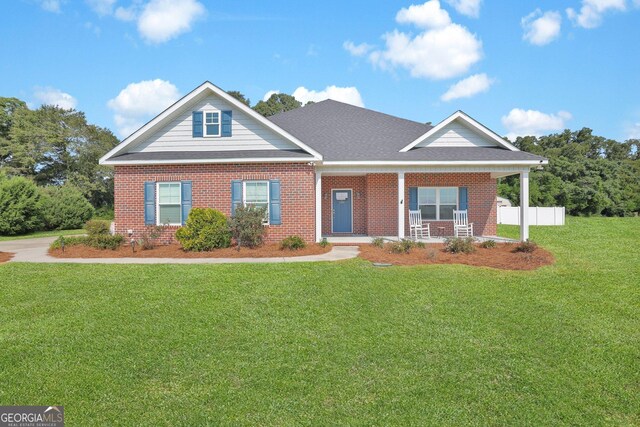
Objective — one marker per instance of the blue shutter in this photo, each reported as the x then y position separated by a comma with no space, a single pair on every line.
226,123
186,200
413,198
463,198
275,214
236,195
197,124
149,203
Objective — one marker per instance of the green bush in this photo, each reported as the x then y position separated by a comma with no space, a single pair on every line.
206,229
459,245
99,241
64,208
324,243
488,244
96,227
528,246
378,242
404,246
293,243
20,210
149,237
247,226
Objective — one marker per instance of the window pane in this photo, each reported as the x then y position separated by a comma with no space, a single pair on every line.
446,211
170,214
427,196
257,192
169,193
428,212
212,118
213,129
448,196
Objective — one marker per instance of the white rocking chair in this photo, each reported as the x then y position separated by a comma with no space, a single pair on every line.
418,229
461,225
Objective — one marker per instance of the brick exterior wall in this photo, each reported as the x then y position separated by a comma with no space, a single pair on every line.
359,197
211,188
382,204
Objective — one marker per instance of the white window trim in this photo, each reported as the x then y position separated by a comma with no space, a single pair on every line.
204,123
438,202
158,202
244,196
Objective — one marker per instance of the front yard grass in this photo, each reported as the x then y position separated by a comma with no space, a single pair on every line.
36,234
333,343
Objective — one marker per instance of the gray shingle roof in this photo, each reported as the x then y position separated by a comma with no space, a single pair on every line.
213,155
343,132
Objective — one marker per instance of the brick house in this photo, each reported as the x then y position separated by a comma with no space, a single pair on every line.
326,169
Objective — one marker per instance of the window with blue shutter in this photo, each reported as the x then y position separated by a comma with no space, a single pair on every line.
149,203
197,124
236,195
275,214
186,200
463,197
413,198
226,123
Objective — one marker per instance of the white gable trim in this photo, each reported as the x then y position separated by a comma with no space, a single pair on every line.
473,124
160,118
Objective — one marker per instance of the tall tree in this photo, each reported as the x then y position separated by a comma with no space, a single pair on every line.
240,97
277,103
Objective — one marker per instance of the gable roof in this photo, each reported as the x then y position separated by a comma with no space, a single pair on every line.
466,119
343,131
164,117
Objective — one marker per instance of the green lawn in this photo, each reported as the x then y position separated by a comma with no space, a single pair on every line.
334,343
42,234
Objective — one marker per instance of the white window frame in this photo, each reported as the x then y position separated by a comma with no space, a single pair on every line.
158,202
438,201
244,196
204,123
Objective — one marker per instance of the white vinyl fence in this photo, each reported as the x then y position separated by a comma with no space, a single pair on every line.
537,216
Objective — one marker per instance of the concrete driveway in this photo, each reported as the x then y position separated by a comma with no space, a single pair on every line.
35,250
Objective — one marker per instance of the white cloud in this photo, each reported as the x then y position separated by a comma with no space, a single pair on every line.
358,49
102,7
349,95
51,5
633,131
470,8
590,14
442,51
521,122
139,102
427,15
126,14
52,96
466,88
162,20
541,28
269,93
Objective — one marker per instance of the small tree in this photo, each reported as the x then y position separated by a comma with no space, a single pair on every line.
64,207
247,226
19,206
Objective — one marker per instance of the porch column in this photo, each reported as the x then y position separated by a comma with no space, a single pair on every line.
524,205
401,205
318,206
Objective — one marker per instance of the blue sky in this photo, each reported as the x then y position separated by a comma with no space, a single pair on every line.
533,68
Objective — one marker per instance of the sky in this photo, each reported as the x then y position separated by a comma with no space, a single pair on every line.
518,67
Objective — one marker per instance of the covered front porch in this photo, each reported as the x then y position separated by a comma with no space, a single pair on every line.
353,206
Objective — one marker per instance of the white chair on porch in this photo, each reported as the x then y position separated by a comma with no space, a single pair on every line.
461,225
418,229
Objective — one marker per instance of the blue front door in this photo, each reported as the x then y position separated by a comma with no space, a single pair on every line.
342,211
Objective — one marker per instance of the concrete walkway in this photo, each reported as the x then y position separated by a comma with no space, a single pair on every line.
35,250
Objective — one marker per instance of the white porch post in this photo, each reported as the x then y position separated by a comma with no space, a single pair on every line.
524,205
318,206
401,205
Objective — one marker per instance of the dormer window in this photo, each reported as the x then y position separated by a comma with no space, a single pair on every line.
212,123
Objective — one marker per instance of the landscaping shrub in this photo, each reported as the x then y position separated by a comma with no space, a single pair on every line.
99,241
293,243
96,227
68,241
149,237
19,206
324,243
488,244
528,246
404,246
206,229
247,226
64,207
459,245
378,242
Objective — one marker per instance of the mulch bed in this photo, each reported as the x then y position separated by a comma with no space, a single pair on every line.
502,257
5,256
175,251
